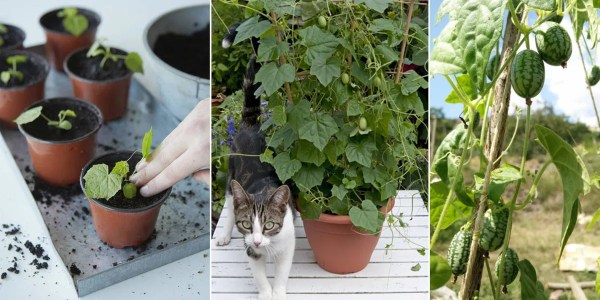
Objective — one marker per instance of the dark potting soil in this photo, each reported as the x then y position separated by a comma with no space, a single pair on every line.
187,53
90,68
53,22
85,122
74,269
13,232
33,70
11,38
119,200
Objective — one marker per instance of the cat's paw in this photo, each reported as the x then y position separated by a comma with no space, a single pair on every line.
279,294
264,296
223,240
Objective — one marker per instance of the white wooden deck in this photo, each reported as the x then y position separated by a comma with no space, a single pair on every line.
388,276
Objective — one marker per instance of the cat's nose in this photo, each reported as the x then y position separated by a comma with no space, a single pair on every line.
257,243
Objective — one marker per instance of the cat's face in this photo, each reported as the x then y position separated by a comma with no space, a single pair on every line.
259,218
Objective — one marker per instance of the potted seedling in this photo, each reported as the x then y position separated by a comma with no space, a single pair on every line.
61,136
11,37
102,75
22,78
67,30
122,217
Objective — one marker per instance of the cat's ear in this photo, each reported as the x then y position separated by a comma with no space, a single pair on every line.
240,197
280,198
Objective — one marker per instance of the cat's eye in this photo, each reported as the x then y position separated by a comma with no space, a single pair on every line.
269,225
246,224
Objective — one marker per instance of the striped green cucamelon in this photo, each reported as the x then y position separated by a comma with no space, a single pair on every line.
594,76
492,67
527,74
553,43
458,252
494,229
508,263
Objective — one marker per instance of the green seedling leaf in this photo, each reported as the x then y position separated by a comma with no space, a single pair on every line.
29,115
366,217
96,48
66,125
147,144
99,184
5,76
129,190
16,59
67,113
439,271
251,28
134,63
3,28
75,24
121,168
67,12
573,174
531,287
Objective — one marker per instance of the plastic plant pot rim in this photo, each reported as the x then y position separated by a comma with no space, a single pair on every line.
86,104
45,68
56,10
165,196
345,220
155,57
73,75
19,32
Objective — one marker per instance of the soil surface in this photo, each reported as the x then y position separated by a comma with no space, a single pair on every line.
85,122
35,256
187,53
32,69
90,68
53,22
119,200
11,38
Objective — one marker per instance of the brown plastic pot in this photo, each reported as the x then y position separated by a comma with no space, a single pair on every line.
58,155
13,40
13,100
60,43
339,247
123,227
111,95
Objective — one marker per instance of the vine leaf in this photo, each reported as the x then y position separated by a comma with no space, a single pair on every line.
29,116
361,153
531,287
273,77
319,130
464,83
99,184
121,168
376,5
547,5
366,217
573,174
251,28
326,70
147,144
285,167
320,44
456,210
506,174
308,176
439,271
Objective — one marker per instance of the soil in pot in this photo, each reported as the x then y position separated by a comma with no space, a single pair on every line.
122,222
59,42
187,53
13,39
106,86
339,247
58,155
17,95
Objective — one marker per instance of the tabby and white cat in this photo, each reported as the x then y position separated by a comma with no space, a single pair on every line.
259,204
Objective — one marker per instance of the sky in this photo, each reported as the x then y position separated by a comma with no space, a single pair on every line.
564,89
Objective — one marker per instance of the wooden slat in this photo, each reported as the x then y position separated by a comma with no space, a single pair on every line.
380,296
422,221
302,244
304,256
414,232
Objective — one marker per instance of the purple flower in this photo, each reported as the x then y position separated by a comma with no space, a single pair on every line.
230,126
264,104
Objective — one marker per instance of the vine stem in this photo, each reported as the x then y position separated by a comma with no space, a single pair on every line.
489,271
404,40
589,87
536,180
461,162
513,201
288,89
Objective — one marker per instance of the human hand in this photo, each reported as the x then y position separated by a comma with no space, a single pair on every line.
185,151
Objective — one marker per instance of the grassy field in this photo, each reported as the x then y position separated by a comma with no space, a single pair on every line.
537,229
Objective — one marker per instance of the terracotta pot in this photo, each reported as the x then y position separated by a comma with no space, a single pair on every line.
123,227
60,43
14,100
58,155
339,247
110,95
14,39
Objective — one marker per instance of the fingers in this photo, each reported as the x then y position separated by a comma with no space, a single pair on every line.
177,170
202,176
161,159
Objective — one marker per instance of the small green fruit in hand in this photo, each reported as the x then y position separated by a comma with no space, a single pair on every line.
129,190
362,123
345,78
322,21
594,76
508,262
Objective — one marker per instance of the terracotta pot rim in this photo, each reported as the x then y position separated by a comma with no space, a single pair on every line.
73,75
92,26
345,219
45,66
86,104
165,196
20,33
